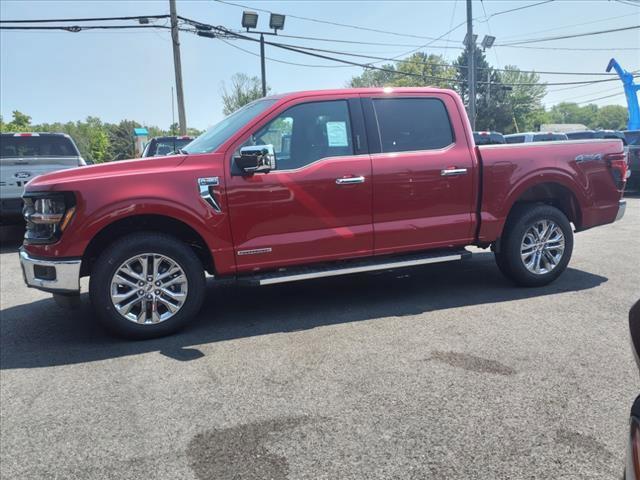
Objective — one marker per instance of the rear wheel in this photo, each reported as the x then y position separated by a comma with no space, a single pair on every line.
147,285
536,245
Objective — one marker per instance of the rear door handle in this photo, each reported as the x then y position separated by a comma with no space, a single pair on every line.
449,172
349,180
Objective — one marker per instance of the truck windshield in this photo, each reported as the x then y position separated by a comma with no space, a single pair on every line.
210,140
16,146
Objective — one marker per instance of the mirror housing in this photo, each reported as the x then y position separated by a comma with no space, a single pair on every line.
256,159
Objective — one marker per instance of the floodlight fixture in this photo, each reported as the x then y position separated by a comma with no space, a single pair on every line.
466,39
249,19
276,21
487,41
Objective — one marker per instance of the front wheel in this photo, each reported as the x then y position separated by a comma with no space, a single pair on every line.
147,285
536,245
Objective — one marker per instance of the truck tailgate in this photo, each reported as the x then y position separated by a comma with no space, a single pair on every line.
16,172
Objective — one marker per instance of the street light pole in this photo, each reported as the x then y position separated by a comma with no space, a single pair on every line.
177,65
471,47
262,66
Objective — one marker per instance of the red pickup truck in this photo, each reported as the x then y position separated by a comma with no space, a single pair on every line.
306,185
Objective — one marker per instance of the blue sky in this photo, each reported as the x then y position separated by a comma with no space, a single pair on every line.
60,76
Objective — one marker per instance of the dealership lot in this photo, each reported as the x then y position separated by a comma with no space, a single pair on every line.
439,372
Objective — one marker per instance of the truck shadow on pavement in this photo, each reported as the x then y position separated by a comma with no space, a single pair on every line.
41,334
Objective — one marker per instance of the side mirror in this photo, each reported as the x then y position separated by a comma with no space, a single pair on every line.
256,159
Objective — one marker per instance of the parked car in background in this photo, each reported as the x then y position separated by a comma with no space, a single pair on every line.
160,146
632,470
633,147
527,137
587,134
307,185
24,156
488,138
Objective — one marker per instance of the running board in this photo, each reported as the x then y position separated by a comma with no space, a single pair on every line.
296,274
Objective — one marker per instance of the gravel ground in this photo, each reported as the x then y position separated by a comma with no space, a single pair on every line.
440,372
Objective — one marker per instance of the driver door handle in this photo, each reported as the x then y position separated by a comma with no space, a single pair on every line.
449,172
349,180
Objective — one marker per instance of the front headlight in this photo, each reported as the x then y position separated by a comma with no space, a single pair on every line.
47,215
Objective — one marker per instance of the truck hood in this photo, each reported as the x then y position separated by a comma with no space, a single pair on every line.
58,180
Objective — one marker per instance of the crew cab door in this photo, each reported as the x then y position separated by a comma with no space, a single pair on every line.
316,204
424,173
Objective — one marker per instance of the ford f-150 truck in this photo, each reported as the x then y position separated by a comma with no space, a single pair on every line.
24,156
306,185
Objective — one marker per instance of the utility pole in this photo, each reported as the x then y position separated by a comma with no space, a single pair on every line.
471,47
262,66
177,64
173,113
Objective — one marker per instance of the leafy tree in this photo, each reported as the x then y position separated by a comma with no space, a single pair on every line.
374,78
612,117
417,70
523,95
243,90
21,122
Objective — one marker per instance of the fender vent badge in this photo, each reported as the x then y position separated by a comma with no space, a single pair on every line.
204,187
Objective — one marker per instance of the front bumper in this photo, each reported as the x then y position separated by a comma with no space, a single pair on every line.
622,207
54,276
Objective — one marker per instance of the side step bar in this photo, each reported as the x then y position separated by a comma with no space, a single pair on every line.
296,274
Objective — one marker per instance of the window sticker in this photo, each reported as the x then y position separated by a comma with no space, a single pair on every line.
337,134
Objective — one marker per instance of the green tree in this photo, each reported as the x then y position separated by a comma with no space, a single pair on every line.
374,78
243,90
612,117
523,95
21,122
493,109
417,70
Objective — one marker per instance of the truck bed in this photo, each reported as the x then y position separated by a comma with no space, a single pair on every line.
579,166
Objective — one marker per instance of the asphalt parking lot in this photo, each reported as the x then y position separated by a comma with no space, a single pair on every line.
440,372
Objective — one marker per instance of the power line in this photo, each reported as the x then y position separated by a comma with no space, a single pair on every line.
599,98
373,67
281,61
327,22
631,4
563,27
460,67
514,10
562,37
78,28
90,19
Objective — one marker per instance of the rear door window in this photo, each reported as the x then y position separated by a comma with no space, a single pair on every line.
36,146
412,124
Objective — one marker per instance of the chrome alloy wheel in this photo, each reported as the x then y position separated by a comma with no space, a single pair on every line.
149,288
542,247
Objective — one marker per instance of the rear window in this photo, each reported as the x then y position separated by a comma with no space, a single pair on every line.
36,146
633,137
581,135
159,147
514,139
549,137
409,124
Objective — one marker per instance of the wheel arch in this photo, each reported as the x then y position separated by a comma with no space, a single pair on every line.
146,223
550,193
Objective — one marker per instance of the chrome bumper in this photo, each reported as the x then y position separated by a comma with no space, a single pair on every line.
55,276
622,206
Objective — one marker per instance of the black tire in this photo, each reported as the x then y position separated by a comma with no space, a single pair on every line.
508,255
136,244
